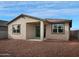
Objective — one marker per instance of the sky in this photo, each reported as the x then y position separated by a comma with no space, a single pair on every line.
42,9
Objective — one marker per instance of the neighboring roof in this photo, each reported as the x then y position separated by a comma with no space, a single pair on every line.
59,21
3,23
23,15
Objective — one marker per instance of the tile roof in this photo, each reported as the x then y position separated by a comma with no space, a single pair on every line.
59,21
23,15
48,20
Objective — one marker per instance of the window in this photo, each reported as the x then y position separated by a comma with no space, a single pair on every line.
16,28
58,28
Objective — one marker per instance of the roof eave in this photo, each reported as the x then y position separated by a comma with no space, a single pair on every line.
23,15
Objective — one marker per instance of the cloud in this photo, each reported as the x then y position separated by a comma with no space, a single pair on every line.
47,13
42,9
45,8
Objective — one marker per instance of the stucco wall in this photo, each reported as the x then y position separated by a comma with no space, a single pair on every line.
23,22
30,31
50,35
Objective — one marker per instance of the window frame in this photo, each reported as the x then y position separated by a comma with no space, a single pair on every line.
16,30
52,27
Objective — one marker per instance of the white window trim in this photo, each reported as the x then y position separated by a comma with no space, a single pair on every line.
58,28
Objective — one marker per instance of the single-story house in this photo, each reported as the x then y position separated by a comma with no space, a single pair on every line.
3,29
31,28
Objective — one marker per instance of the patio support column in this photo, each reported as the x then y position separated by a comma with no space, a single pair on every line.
41,30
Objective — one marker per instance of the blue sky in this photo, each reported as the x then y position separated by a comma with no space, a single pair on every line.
45,9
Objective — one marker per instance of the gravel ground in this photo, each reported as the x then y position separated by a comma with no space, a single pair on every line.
23,48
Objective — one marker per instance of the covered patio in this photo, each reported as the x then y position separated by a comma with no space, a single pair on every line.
35,31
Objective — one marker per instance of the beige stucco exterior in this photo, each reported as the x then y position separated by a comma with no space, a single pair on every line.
23,22
28,30
62,36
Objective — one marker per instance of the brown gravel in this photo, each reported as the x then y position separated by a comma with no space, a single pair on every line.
23,48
